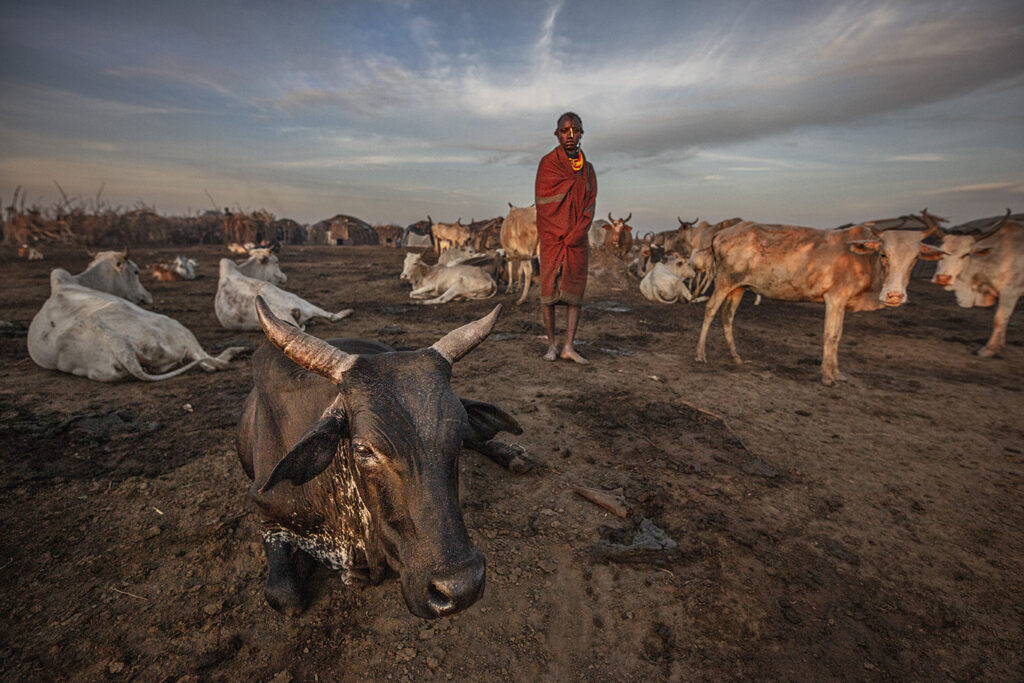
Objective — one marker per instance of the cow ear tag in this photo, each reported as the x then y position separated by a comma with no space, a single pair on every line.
312,454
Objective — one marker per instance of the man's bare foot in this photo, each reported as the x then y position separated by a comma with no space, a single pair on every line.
569,353
551,354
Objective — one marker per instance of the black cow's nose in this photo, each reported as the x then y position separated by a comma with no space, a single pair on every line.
458,589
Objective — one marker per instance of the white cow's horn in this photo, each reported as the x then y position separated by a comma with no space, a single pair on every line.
461,341
308,351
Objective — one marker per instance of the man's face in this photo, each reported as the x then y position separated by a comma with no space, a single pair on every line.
569,132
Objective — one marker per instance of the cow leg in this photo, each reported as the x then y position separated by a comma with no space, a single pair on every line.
834,313
511,281
421,293
1004,309
710,309
455,290
287,568
512,458
729,306
526,270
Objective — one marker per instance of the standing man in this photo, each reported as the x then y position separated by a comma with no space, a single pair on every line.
565,194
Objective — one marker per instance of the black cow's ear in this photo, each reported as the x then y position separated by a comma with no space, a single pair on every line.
485,421
312,454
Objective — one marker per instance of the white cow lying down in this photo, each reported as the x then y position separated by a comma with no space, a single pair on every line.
263,264
105,338
235,303
446,282
666,282
113,272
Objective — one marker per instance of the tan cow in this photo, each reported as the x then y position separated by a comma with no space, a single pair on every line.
106,338
485,235
619,236
519,240
445,283
164,273
861,268
690,238
984,264
449,235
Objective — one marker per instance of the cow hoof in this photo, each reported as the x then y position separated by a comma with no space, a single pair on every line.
520,464
985,352
286,598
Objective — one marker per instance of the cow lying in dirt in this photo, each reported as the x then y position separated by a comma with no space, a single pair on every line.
236,293
445,283
666,282
106,338
263,264
492,263
29,253
185,267
113,272
354,462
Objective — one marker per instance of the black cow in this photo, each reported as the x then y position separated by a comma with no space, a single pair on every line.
353,450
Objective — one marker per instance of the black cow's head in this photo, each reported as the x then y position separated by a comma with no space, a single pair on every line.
400,428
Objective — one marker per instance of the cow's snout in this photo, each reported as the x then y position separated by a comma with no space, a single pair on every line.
942,279
456,590
894,298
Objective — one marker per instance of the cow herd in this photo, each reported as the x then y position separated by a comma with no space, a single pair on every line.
859,267
352,445
93,323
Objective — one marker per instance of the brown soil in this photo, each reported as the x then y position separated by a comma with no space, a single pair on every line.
869,531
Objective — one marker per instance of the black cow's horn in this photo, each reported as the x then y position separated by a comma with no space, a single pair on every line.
461,341
308,351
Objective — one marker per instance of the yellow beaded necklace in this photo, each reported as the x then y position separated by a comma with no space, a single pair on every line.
576,163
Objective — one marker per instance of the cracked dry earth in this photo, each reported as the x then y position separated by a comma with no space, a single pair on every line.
776,529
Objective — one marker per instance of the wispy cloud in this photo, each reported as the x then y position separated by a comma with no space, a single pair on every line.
923,158
980,187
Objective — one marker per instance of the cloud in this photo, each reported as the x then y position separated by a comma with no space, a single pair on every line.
980,187
924,158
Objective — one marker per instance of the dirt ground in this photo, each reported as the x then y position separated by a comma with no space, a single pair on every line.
871,531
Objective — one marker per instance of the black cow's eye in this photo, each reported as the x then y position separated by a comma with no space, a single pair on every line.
361,450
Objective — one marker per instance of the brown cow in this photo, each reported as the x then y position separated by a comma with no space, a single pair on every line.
485,235
164,273
985,263
861,268
29,253
449,235
619,238
519,240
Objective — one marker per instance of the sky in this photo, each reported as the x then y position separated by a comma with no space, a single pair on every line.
800,112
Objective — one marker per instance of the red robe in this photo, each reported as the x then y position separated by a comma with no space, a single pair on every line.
565,202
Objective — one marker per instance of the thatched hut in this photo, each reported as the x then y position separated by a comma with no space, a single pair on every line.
344,230
390,235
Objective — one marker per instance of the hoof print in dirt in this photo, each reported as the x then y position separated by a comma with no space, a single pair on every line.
643,542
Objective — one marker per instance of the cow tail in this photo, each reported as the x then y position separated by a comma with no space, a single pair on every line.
132,365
